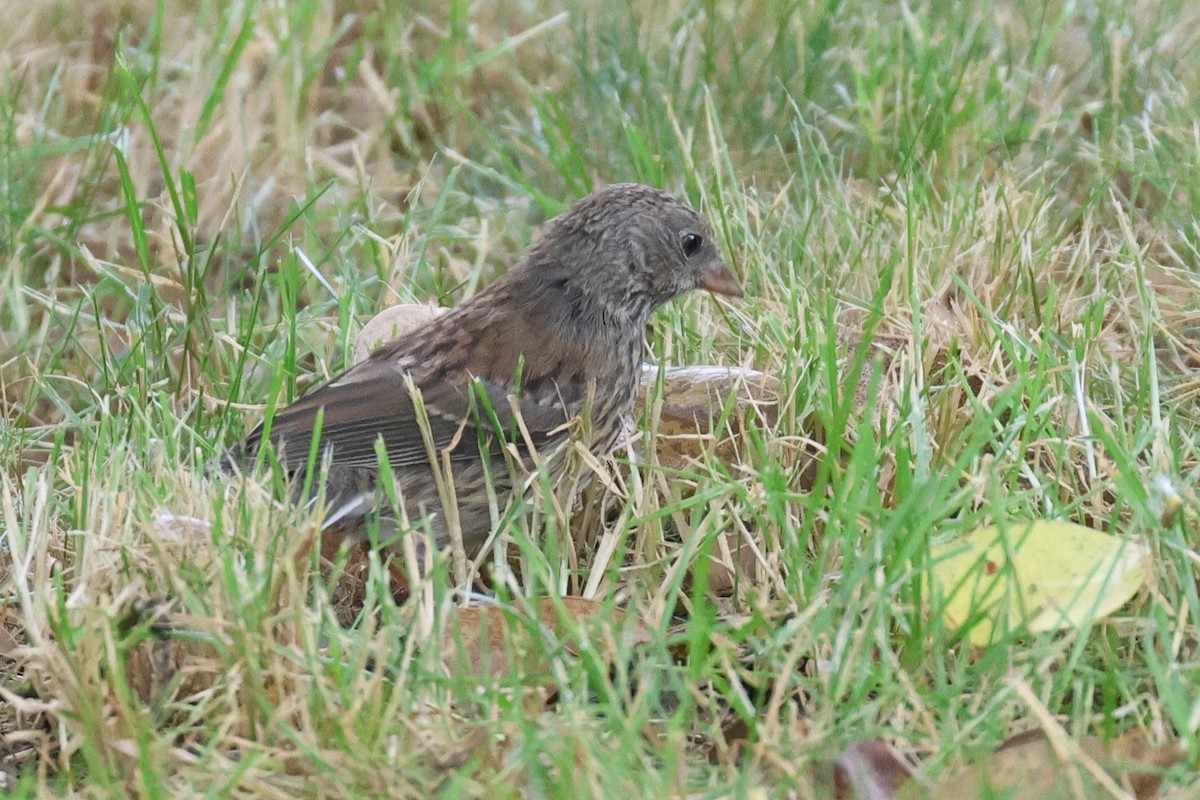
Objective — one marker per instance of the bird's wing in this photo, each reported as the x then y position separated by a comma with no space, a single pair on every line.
371,401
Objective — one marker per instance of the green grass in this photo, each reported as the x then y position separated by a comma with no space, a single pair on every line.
968,237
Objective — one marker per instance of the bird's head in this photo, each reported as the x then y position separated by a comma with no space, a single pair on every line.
626,249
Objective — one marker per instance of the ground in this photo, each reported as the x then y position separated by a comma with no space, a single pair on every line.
967,234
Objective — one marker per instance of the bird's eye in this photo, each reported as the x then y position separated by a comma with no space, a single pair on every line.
691,244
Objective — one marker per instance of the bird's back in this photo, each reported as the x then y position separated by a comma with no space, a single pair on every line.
491,372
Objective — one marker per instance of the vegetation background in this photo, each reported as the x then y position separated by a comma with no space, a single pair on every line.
968,234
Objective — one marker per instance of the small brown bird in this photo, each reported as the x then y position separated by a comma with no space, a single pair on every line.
559,339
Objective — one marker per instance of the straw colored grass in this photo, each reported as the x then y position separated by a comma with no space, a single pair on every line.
969,243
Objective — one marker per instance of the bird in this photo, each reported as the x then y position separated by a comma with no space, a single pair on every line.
551,351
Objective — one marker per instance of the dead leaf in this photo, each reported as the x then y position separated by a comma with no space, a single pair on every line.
1138,761
695,397
1030,767
870,770
723,576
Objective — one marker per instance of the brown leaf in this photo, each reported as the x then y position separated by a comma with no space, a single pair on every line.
870,770
1134,758
735,736
1032,767
723,576
694,398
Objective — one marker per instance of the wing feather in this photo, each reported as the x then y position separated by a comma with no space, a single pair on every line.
471,354
372,402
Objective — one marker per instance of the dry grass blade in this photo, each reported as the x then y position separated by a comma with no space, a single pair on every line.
967,235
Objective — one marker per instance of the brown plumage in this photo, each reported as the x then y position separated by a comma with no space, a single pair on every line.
559,336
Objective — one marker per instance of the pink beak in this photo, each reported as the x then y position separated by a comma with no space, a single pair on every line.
719,280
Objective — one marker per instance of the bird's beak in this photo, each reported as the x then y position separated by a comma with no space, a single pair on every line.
717,278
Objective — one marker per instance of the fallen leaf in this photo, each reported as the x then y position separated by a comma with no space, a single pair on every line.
693,400
870,770
1138,761
1031,767
724,575
1039,575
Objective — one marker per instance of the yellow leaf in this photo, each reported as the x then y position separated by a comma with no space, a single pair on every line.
1040,575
